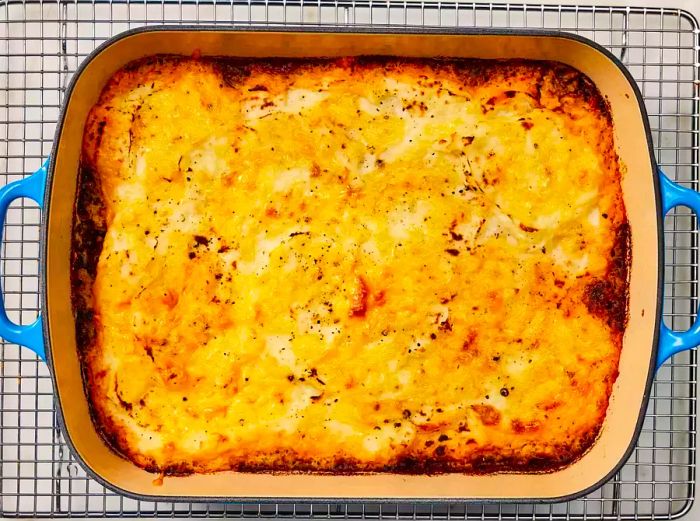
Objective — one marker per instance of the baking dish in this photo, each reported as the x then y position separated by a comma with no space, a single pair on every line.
648,196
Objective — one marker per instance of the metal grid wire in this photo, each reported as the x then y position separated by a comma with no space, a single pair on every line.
41,44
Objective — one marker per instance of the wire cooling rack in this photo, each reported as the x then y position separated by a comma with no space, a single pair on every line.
41,44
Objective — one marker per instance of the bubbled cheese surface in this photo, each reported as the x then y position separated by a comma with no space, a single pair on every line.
355,264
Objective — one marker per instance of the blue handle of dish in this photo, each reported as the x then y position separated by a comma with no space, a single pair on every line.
33,187
672,342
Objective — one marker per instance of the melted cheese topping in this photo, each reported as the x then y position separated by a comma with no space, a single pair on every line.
356,265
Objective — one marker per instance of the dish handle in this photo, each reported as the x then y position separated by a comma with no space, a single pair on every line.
672,342
33,187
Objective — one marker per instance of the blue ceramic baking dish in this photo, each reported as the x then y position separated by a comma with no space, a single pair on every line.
648,195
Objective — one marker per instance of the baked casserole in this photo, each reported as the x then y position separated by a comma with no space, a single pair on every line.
348,265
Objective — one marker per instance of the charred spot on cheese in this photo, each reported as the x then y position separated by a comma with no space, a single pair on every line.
525,228
488,414
232,75
607,297
364,264
520,426
200,240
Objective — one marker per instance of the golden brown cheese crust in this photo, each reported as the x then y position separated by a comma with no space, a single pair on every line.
366,264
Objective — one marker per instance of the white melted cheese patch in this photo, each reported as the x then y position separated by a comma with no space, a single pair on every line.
280,348
405,221
292,102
